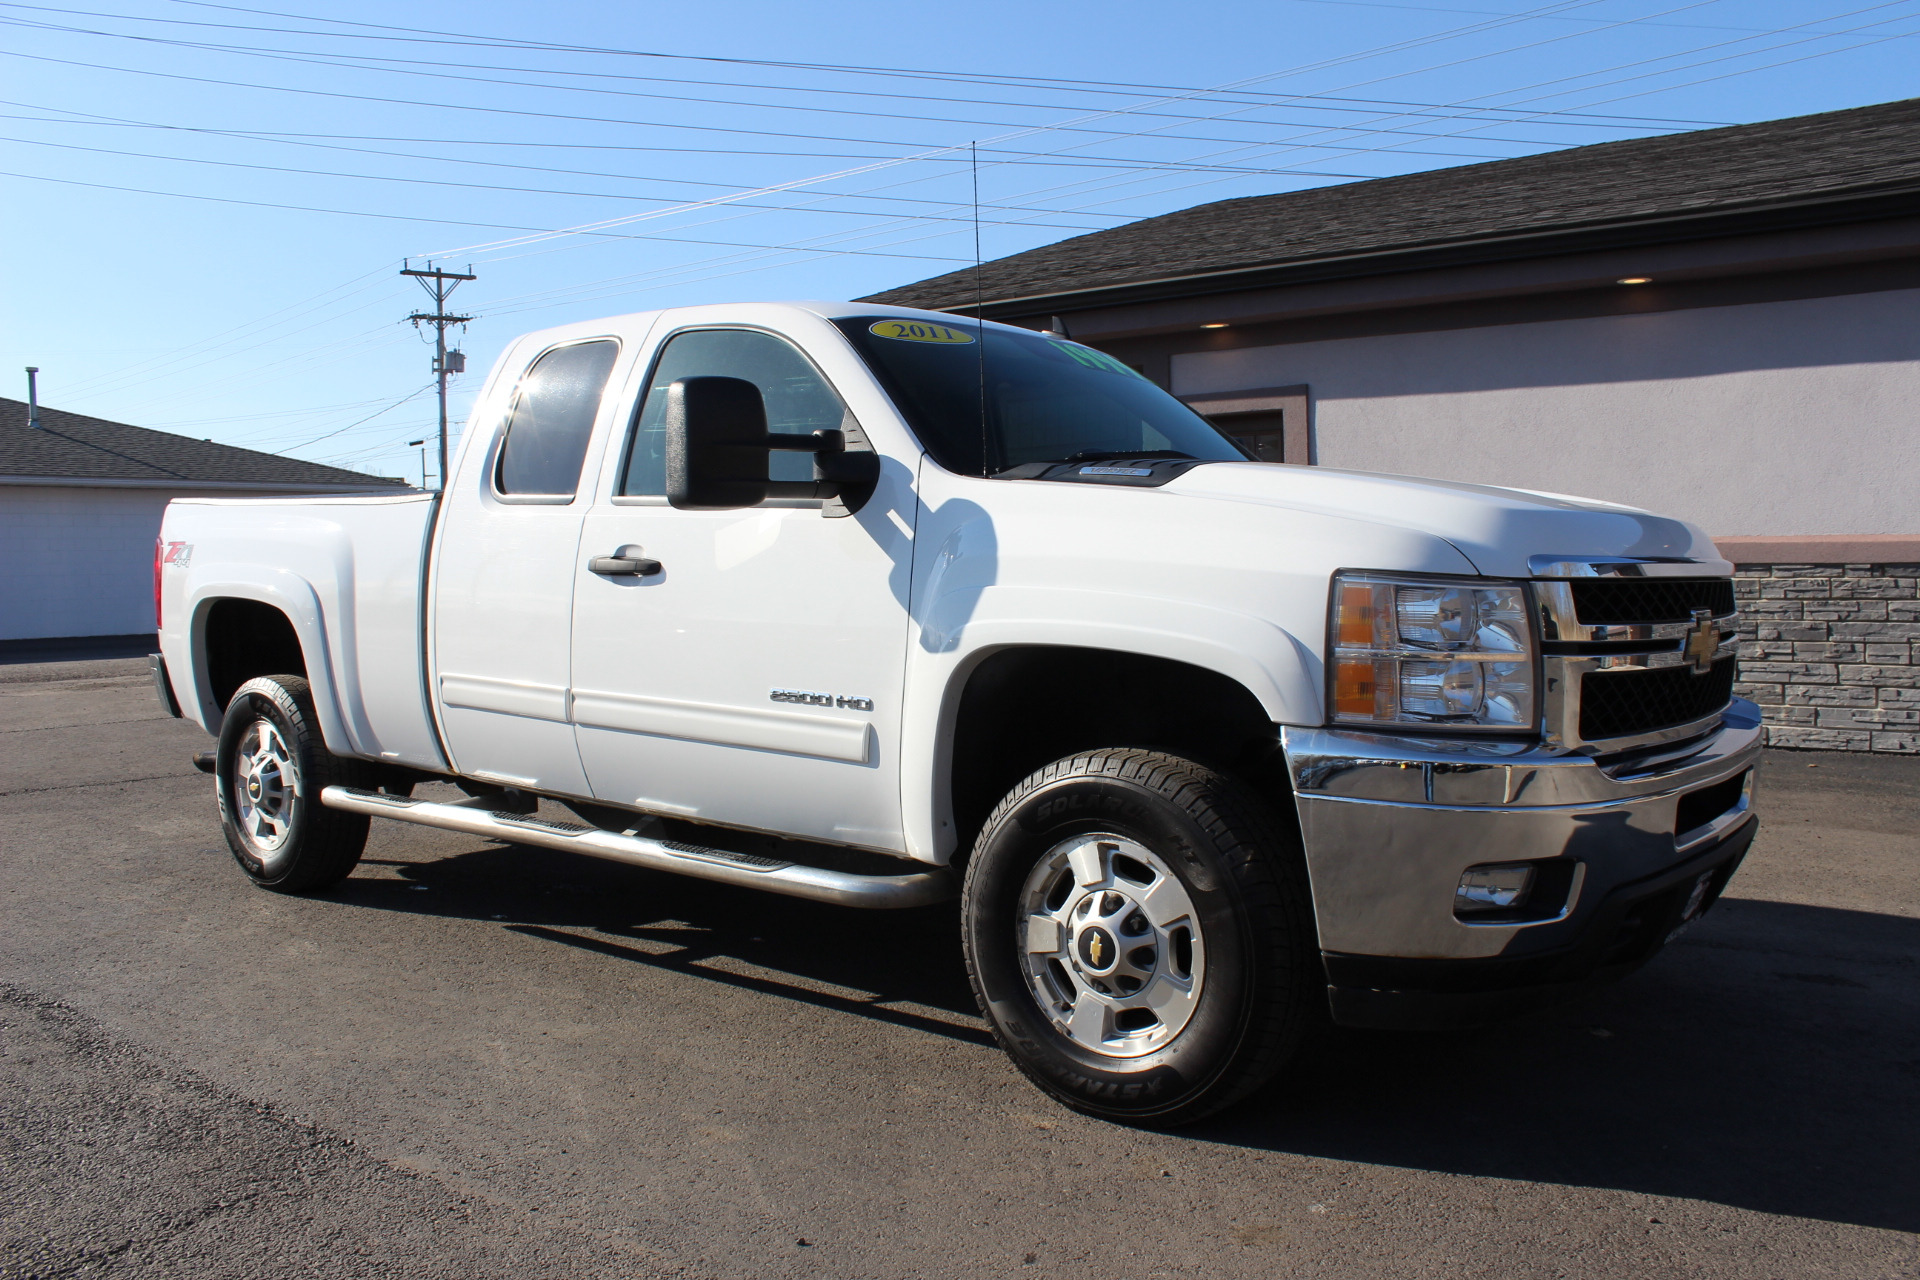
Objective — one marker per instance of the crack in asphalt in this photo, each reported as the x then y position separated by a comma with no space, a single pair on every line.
90,724
110,782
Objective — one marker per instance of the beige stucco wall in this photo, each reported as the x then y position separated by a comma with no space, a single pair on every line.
1798,417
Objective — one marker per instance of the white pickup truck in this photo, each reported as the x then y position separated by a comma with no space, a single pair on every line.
876,607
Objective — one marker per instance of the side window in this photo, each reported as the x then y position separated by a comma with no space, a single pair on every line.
552,419
798,399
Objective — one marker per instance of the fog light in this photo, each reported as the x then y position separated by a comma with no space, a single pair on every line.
1494,888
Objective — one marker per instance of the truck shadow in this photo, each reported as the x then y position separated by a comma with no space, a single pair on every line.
1769,1061
897,967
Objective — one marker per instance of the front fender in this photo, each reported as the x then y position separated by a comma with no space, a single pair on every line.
963,627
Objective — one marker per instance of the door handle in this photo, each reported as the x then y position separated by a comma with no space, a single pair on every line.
623,566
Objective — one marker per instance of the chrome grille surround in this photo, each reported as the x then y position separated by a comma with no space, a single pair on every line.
1572,649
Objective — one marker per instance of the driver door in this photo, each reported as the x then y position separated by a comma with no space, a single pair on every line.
755,680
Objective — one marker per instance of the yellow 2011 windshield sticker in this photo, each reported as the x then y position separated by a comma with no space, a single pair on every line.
917,331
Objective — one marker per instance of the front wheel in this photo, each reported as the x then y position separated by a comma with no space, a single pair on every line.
270,768
1139,936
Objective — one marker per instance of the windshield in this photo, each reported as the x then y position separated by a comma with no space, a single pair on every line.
1047,400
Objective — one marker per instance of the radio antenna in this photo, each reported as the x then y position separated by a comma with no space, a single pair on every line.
979,306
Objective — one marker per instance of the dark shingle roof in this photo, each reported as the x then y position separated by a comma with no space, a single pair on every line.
1643,183
71,446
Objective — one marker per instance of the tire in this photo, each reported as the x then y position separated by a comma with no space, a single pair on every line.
269,769
1140,937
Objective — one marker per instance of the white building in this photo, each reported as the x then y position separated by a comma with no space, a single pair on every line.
80,506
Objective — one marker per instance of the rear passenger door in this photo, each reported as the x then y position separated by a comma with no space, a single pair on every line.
503,575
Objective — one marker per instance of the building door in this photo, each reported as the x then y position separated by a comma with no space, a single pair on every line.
755,680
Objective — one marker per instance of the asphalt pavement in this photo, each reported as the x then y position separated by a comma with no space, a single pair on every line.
474,1060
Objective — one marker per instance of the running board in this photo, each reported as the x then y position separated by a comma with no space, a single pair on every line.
748,870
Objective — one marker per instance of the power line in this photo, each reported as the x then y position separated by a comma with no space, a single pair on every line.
1025,132
684,281
607,223
411,395
398,217
1268,150
1120,88
544,191
612,120
411,67
89,386
1000,157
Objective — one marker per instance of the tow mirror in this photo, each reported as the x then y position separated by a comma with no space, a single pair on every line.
718,448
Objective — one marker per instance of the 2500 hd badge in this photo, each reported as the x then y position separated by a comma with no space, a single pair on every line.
806,699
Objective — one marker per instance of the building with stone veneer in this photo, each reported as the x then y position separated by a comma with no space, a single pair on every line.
1721,325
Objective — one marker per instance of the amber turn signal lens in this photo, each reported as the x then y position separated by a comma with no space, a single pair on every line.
1353,687
1355,619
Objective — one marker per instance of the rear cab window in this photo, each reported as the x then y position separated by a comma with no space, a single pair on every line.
545,439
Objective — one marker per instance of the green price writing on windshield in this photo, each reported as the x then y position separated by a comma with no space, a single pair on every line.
1099,360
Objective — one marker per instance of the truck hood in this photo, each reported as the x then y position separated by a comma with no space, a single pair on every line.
1497,529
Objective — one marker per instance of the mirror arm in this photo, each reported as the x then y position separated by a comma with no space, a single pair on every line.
833,441
839,474
803,489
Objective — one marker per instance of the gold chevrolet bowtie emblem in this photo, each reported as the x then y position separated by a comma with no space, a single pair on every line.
1703,642
1094,948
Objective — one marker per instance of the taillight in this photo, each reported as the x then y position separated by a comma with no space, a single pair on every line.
159,558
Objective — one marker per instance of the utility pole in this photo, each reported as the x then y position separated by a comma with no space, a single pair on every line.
440,286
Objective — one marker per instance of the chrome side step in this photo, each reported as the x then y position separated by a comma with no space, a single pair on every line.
841,888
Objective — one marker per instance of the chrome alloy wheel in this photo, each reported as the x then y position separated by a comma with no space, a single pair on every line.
266,787
1112,945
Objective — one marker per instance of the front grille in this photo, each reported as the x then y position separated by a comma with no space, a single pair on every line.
1614,704
1605,601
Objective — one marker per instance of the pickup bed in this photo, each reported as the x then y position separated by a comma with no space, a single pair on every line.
881,607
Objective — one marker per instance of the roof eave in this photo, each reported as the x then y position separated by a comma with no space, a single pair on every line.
372,485
1851,206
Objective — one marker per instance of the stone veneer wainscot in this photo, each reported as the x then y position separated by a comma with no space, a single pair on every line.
1833,653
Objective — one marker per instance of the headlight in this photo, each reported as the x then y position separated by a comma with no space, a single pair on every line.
1429,653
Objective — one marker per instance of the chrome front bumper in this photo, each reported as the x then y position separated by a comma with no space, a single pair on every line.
1391,822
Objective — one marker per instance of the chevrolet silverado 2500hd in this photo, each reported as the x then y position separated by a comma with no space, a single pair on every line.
876,606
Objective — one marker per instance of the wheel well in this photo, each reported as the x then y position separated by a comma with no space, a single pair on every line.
1024,708
245,639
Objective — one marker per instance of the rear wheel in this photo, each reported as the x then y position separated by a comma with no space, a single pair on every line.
1139,935
270,768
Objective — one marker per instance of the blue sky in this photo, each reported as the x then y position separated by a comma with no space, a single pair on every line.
207,205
